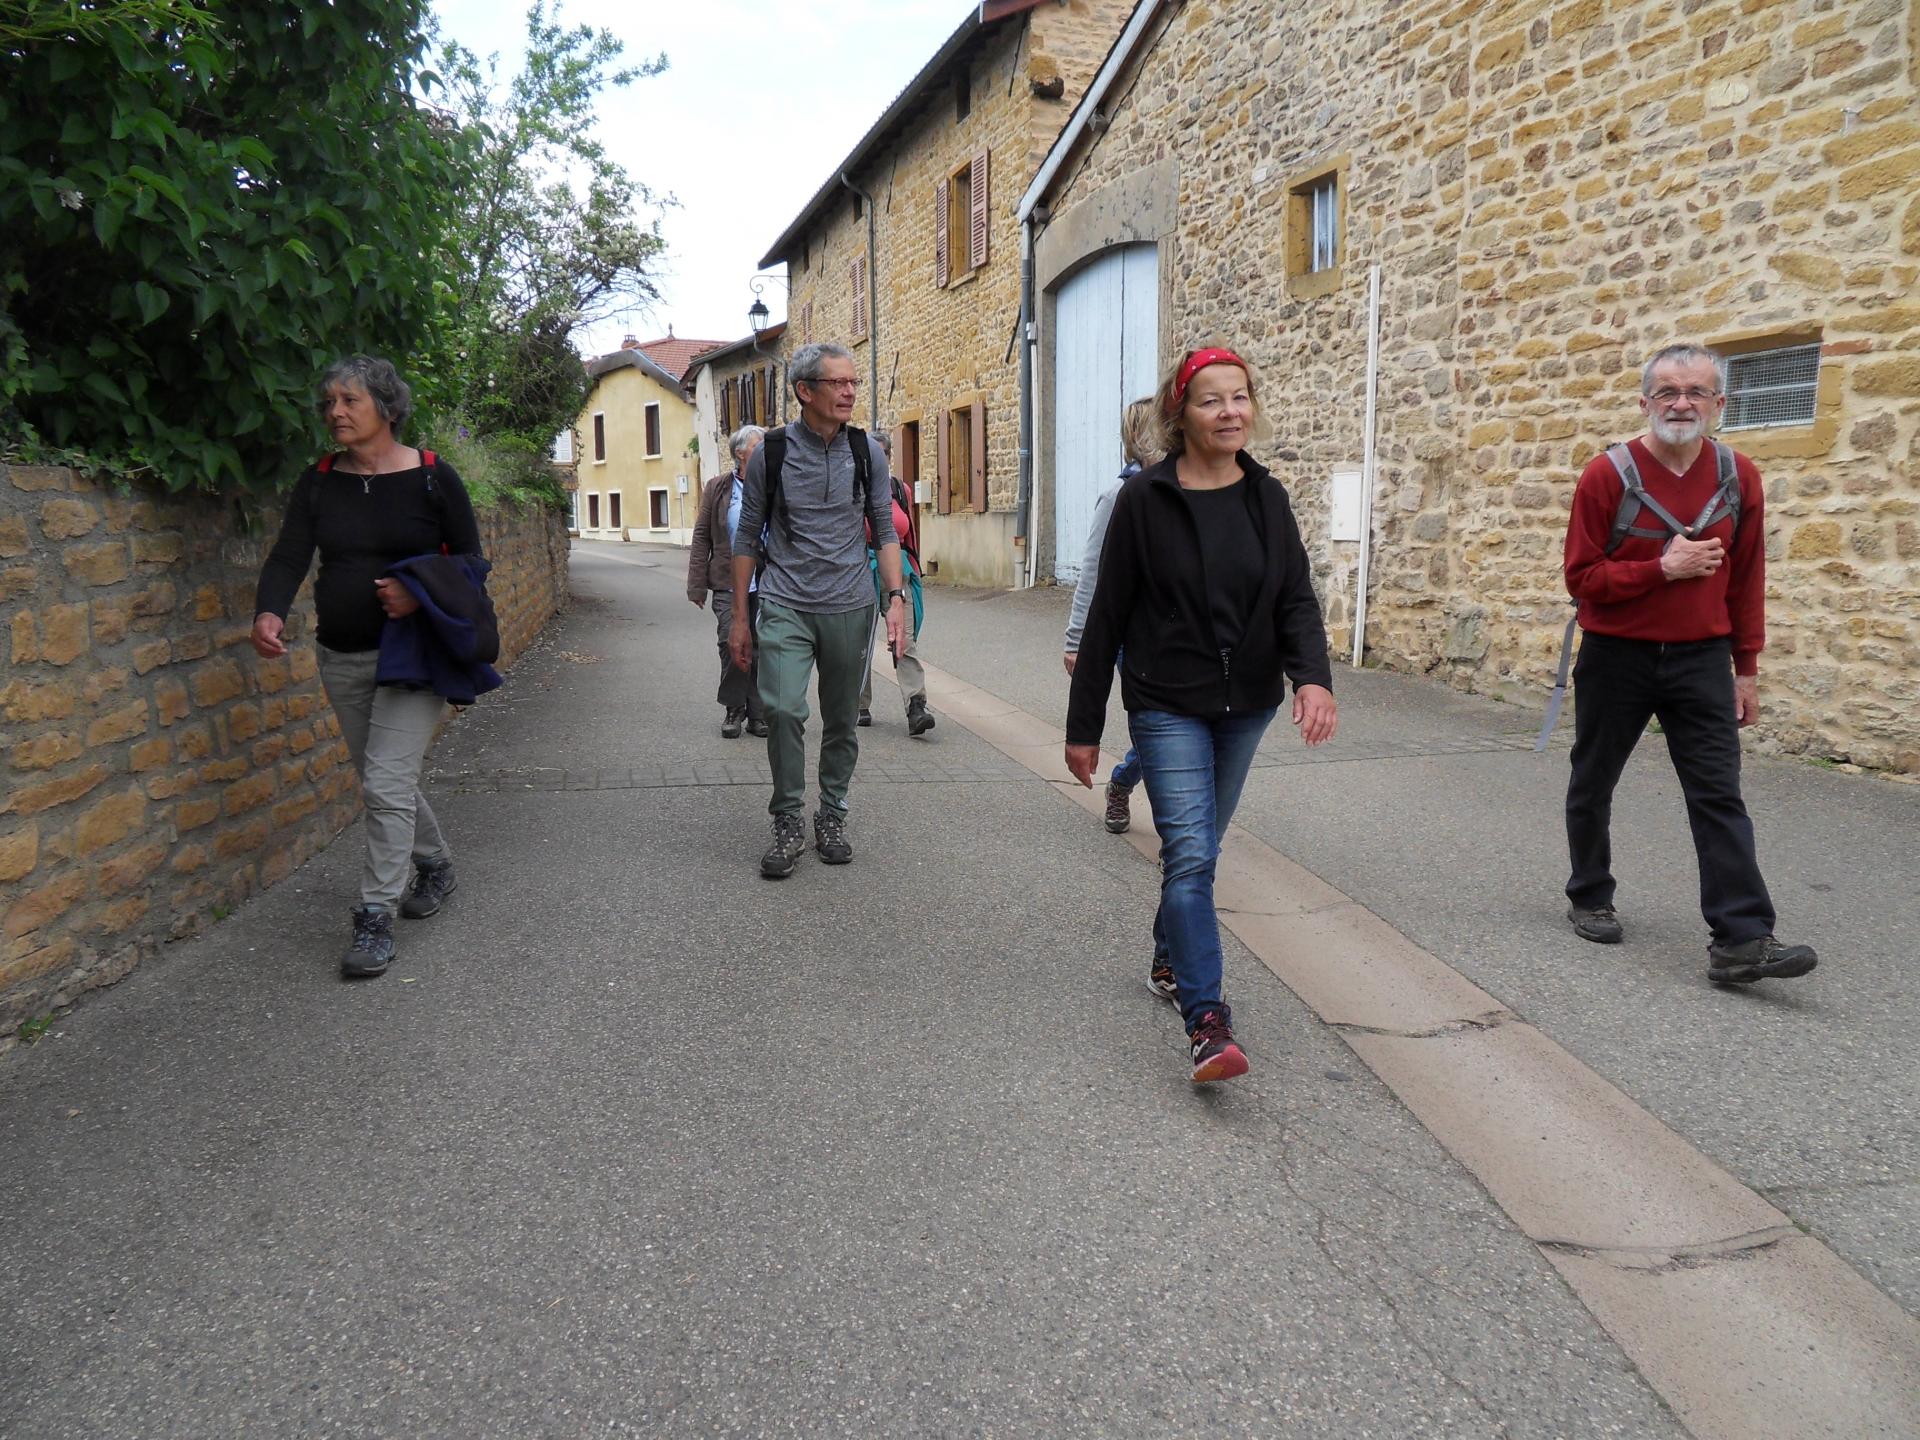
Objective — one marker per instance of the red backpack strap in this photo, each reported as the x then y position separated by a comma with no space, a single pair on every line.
429,459
326,463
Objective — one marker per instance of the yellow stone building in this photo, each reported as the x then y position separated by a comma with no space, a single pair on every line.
636,464
1548,191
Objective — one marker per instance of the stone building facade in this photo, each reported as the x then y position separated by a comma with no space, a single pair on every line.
943,167
157,772
1552,189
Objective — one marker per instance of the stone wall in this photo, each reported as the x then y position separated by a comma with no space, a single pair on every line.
1553,191
157,771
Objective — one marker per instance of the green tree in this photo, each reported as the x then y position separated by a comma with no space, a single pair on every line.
551,234
199,205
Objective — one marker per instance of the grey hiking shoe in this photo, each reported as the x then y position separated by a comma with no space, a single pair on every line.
432,883
830,836
919,718
1764,958
789,843
1119,808
731,726
1599,924
371,950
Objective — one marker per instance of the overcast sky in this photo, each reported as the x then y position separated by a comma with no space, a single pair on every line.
760,102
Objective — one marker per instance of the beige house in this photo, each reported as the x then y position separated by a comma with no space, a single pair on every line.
634,455
1521,200
909,254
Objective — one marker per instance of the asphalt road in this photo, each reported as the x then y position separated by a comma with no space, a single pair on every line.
631,1142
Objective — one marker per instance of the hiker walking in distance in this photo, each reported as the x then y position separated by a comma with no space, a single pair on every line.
1666,560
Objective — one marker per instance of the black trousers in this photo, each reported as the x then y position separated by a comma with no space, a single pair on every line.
1618,685
739,689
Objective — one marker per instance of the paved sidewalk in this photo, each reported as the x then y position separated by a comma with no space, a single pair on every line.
630,1142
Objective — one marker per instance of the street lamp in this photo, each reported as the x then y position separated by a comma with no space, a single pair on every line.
757,317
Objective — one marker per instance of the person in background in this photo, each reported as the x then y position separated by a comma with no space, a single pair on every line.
1205,582
907,670
710,568
1139,446
370,505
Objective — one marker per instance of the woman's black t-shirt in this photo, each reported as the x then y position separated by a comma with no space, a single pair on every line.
361,525
1232,555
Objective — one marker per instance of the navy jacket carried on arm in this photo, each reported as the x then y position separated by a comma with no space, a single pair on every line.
448,644
1153,598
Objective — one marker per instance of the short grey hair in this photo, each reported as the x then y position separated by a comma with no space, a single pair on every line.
745,437
1683,355
808,361
378,378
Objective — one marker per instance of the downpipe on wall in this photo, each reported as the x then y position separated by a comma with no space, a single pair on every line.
873,301
1022,530
1368,462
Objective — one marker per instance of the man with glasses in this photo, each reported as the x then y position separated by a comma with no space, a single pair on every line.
1665,556
807,530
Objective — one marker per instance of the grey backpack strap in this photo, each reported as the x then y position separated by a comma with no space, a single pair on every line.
1726,499
1633,499
1559,696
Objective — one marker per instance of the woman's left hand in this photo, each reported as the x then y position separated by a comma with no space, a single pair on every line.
1315,713
395,598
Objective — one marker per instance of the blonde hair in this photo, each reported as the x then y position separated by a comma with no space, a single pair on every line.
1139,434
1167,413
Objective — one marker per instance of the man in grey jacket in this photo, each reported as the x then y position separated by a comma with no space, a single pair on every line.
815,596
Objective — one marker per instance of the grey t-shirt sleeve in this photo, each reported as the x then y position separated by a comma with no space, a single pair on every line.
753,504
879,497
1089,570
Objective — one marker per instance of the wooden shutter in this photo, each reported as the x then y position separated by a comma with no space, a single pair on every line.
940,239
806,323
977,481
857,274
977,228
943,482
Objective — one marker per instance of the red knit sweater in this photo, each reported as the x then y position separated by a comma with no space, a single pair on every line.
1626,595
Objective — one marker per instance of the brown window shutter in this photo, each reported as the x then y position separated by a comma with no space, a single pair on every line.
943,482
940,238
977,246
806,323
859,300
977,481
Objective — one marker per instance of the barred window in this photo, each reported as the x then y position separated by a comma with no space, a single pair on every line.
1772,387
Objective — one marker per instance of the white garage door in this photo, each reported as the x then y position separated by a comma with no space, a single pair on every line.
1105,354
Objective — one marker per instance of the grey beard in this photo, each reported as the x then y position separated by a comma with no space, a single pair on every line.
1670,432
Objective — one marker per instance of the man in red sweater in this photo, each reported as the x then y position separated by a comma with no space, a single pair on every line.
1672,613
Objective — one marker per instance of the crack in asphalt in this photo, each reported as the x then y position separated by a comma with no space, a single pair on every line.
1488,1020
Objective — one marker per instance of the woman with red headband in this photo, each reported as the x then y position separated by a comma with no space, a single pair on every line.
1204,582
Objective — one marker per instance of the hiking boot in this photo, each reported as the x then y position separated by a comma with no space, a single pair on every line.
371,951
1210,1045
830,836
919,718
1599,924
866,717
758,728
1762,959
432,883
789,843
1161,982
1119,808
730,727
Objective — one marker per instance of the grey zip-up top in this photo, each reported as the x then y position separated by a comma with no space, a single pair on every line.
820,565
1090,564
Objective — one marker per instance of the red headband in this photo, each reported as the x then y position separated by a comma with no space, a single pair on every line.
1197,362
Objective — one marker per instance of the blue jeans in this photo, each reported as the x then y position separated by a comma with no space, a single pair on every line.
1194,768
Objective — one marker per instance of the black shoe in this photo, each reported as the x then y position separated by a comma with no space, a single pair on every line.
758,727
1211,1047
1762,959
730,727
1161,982
919,718
432,883
1119,801
866,718
830,836
372,949
789,843
1599,924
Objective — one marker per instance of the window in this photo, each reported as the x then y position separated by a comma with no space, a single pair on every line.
657,509
599,437
857,274
1772,387
963,460
653,430
573,511
960,215
613,510
1323,251
1315,235
593,512
563,448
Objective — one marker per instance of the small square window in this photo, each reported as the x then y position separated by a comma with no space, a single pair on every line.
1772,387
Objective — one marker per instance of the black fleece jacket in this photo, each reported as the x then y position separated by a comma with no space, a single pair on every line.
1152,598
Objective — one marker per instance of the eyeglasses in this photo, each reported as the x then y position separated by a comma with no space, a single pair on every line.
1667,394
848,385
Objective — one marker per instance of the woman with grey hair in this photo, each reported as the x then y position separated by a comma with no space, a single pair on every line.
710,568
367,506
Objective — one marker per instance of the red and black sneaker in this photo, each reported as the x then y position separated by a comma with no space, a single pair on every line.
1210,1044
1161,982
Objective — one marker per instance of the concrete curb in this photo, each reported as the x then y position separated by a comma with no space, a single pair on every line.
1748,1328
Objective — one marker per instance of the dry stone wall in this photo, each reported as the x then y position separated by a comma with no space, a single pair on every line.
157,771
1553,191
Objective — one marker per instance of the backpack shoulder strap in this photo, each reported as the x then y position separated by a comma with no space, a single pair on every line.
774,447
859,448
325,463
1729,480
1632,492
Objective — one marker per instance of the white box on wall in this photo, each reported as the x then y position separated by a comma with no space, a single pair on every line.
923,492
682,482
1343,503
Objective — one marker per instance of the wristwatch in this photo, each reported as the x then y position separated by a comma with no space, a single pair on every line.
893,595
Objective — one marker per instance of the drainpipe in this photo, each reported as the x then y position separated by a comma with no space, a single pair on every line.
1022,530
873,297
1368,462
